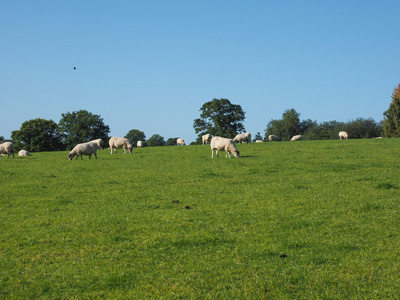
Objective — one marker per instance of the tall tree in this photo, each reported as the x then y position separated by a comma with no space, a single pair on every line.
135,135
288,126
219,117
156,140
82,126
391,117
37,135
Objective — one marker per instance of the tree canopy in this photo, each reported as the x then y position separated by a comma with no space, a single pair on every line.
156,140
37,135
219,117
391,121
135,135
82,126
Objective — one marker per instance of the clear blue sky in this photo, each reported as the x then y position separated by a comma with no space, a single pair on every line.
151,64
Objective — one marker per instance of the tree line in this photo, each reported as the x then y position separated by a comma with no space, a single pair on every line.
218,117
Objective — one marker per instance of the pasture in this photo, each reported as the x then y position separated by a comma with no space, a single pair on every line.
286,220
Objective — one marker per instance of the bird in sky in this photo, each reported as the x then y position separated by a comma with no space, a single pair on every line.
74,68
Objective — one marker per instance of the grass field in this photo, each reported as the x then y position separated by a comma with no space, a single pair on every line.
286,220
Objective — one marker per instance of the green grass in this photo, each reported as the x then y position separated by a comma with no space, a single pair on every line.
287,220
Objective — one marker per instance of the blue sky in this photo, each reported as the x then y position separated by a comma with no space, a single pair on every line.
151,65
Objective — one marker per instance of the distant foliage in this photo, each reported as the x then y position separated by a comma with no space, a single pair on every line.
391,121
82,126
136,135
37,135
171,142
291,125
156,140
219,117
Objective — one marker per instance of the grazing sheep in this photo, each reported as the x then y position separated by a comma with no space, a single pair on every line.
296,138
7,148
99,143
222,144
259,141
343,134
273,137
206,138
23,153
139,144
88,148
117,142
180,142
243,137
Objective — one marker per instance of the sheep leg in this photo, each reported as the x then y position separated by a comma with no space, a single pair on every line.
95,155
90,155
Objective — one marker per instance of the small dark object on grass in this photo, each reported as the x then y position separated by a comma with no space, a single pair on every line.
283,255
186,207
175,201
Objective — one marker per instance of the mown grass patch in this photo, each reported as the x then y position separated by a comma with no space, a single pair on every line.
310,219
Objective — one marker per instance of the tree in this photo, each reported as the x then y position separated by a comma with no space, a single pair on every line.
135,135
82,126
171,142
287,127
258,137
219,117
391,117
156,140
37,135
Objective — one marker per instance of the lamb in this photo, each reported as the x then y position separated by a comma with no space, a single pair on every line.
7,148
243,137
180,142
88,148
223,144
117,142
206,138
23,153
139,144
99,143
343,134
296,138
273,137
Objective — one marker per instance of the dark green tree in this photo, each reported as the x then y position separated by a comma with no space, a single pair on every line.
287,127
219,117
257,137
171,142
391,117
156,140
37,135
82,126
135,135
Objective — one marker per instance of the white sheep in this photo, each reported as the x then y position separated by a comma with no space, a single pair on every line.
118,142
296,138
343,134
7,148
206,138
180,142
243,137
99,143
23,153
273,137
139,144
259,141
88,148
223,144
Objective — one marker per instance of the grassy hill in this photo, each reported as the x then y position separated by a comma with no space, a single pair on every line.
304,220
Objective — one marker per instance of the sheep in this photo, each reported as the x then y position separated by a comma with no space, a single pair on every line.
117,142
243,137
23,153
223,144
88,148
296,138
259,141
180,142
343,134
206,138
139,144
7,148
273,137
99,143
